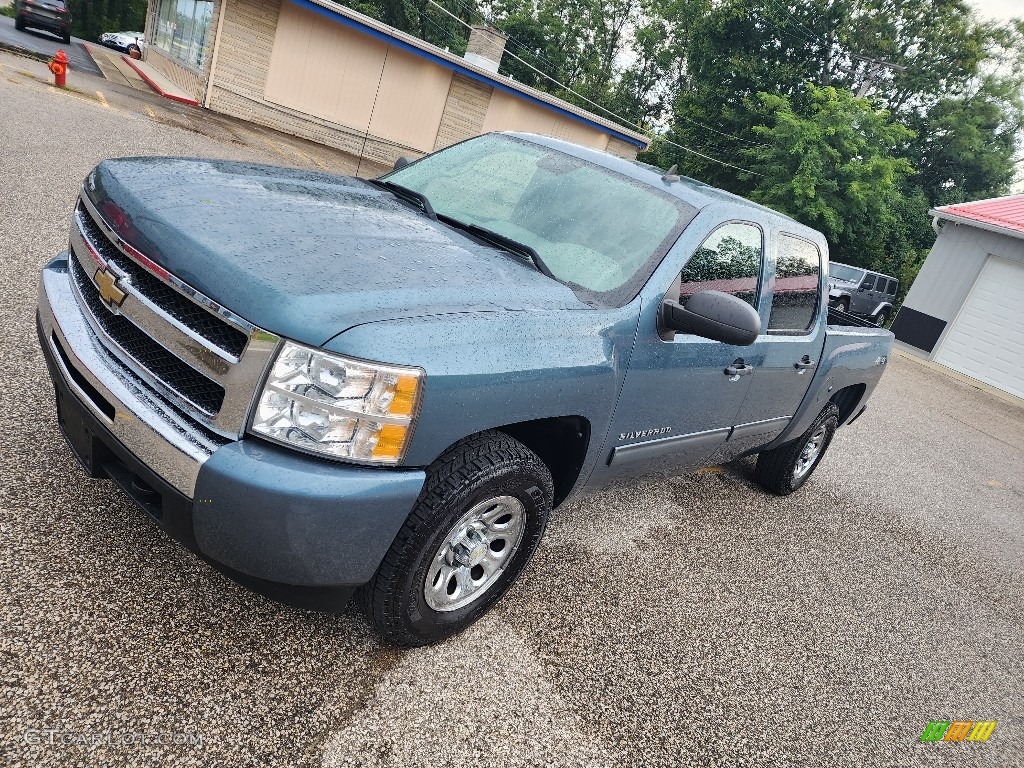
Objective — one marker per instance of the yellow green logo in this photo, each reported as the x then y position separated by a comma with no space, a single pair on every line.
958,730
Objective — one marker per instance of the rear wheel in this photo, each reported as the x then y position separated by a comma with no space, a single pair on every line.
473,530
66,37
784,469
882,318
19,23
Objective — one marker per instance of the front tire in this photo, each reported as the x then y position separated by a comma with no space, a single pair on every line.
784,469
475,526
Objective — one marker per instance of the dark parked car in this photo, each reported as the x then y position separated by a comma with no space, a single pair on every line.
861,292
51,15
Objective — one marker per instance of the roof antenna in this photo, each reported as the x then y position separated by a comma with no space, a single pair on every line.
670,175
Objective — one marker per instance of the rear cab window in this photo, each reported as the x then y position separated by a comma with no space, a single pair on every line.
797,280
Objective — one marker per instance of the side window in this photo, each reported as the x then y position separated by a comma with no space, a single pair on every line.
868,283
795,300
893,284
729,260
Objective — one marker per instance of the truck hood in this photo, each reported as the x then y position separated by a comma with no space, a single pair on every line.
308,255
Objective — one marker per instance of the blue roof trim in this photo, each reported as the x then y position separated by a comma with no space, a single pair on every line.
462,70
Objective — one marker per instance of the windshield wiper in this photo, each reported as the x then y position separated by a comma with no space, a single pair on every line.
501,241
407,194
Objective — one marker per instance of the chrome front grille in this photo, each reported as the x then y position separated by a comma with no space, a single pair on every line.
203,393
197,354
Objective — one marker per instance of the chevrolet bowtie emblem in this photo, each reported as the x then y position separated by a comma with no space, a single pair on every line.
110,291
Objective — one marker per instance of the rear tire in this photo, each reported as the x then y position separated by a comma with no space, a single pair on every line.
882,318
784,469
19,24
67,39
475,526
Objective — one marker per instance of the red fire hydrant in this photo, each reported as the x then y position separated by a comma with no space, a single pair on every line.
59,66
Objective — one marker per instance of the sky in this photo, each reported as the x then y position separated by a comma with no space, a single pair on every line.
999,9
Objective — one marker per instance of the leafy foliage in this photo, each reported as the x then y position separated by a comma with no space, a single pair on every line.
90,18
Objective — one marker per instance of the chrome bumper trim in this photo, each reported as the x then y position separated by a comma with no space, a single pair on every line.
149,426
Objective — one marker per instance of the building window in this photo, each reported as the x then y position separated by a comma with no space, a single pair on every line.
183,30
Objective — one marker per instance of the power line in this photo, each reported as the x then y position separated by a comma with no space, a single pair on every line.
603,109
778,6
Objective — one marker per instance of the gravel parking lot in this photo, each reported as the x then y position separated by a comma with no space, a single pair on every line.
675,621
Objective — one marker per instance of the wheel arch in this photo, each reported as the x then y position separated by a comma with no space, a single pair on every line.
847,400
561,442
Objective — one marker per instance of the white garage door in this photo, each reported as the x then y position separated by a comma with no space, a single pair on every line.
986,341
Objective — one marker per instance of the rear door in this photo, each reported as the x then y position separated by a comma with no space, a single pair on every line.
788,351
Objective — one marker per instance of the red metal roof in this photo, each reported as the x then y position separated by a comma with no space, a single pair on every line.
1006,213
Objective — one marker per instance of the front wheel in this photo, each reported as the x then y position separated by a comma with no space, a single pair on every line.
784,469
475,526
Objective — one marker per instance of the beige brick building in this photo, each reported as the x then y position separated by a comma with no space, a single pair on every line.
321,71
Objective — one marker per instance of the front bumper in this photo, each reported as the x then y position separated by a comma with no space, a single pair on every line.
252,508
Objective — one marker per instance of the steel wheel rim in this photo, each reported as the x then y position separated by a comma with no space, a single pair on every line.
475,553
810,453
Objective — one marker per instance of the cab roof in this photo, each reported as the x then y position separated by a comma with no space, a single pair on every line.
693,192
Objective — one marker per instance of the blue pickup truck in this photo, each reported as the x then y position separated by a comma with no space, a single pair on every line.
324,385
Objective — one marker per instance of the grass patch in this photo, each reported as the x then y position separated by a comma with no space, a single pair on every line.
8,10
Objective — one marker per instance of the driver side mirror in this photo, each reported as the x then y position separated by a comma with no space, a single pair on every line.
401,163
713,315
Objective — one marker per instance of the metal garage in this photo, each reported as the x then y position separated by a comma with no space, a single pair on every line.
966,308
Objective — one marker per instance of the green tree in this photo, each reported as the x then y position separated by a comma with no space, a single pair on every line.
90,18
835,167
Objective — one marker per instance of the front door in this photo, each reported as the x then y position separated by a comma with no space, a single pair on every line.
681,395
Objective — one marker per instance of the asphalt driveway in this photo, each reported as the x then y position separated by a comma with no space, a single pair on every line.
674,621
39,41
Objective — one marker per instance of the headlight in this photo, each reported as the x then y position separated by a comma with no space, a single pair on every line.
339,407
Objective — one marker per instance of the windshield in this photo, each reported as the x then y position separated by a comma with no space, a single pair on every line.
597,231
843,272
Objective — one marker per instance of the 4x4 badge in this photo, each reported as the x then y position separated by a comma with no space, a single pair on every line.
110,291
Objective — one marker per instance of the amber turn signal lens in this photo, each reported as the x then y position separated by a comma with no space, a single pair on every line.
390,441
404,400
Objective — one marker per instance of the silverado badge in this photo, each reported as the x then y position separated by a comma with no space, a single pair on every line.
644,433
110,291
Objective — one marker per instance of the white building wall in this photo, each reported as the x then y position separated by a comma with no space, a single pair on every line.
950,272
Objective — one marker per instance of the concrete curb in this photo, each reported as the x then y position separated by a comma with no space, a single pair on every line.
149,81
25,52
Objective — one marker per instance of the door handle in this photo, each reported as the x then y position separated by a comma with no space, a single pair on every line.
804,362
739,368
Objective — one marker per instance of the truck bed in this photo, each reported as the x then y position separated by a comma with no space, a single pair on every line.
838,317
